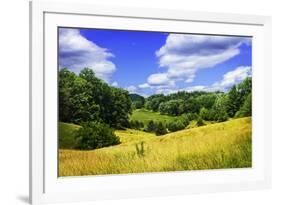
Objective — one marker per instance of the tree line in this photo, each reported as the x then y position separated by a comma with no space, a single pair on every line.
99,108
85,98
210,106
88,101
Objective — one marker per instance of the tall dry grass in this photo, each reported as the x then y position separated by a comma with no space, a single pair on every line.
214,146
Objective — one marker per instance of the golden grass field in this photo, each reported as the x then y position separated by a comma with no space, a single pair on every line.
214,146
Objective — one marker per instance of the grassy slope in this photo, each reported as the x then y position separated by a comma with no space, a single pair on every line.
145,116
221,145
67,135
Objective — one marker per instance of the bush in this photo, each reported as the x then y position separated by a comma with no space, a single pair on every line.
160,129
94,135
200,122
135,124
204,113
150,126
190,116
176,125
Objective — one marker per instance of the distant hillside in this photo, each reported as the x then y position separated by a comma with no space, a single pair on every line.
137,101
135,97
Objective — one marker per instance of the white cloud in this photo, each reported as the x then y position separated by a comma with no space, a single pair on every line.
229,79
144,85
158,79
76,53
233,77
115,84
132,89
183,55
196,88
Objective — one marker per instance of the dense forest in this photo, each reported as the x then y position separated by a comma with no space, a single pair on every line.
99,108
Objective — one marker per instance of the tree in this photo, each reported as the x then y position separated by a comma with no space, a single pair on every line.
190,116
66,81
245,88
176,125
85,98
153,102
204,113
137,101
94,135
233,101
200,122
171,107
118,106
150,126
160,129
192,105
207,100
246,109
219,108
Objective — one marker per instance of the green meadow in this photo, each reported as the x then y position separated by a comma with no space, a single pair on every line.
145,116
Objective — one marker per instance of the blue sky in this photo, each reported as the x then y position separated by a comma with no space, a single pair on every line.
155,62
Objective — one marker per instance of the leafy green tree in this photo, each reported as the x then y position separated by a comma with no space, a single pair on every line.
171,107
245,88
204,113
220,109
192,105
176,125
200,122
207,100
66,80
233,102
153,102
94,135
118,107
190,116
85,98
150,126
246,109
137,101
160,129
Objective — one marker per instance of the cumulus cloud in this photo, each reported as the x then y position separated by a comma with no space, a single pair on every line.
183,55
229,79
76,53
233,77
132,89
144,85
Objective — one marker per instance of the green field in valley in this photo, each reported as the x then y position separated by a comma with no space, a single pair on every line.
214,146
145,116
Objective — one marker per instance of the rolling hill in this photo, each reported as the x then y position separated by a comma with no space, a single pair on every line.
214,146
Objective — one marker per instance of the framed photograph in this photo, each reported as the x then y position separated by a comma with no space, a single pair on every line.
129,102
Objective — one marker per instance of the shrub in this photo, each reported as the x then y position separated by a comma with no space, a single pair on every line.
150,126
204,113
135,124
200,122
190,116
140,149
176,125
160,129
94,135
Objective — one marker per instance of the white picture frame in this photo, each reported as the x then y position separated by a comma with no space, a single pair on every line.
46,187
